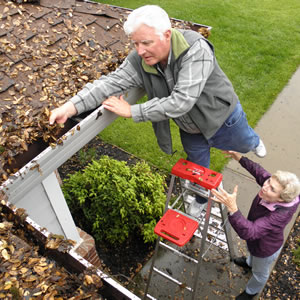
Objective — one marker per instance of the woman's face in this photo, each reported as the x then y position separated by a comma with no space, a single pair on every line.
271,190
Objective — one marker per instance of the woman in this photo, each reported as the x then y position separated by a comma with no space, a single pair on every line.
263,230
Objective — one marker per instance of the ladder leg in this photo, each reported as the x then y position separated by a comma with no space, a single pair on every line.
227,230
151,268
169,195
202,246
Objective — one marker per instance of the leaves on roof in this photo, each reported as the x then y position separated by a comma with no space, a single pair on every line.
48,52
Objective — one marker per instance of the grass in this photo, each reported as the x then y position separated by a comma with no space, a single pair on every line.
296,253
257,45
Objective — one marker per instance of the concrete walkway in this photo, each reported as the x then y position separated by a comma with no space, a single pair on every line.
279,128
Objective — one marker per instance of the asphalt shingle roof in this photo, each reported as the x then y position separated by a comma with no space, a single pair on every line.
48,51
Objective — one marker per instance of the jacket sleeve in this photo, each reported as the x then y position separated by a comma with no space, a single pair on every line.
256,170
115,83
253,230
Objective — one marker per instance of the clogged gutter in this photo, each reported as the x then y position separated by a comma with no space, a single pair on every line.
28,274
48,52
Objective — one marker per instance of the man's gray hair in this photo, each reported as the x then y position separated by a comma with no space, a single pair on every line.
151,15
290,185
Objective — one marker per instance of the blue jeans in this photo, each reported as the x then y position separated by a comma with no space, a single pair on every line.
260,272
235,134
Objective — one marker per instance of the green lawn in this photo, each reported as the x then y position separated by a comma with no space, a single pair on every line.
257,44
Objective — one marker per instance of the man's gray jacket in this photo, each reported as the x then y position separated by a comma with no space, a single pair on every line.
214,105
216,102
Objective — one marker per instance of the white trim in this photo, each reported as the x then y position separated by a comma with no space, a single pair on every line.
60,207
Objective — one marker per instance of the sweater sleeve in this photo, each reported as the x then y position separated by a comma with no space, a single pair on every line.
253,230
255,169
115,83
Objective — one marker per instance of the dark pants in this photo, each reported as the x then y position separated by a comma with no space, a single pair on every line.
235,135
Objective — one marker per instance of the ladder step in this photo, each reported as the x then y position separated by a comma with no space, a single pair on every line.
179,253
215,232
172,279
176,227
214,240
188,185
150,297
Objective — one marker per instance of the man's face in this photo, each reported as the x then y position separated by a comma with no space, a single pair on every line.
150,46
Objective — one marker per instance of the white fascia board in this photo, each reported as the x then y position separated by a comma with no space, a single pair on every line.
39,168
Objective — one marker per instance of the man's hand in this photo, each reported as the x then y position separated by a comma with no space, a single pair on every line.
118,106
227,199
61,114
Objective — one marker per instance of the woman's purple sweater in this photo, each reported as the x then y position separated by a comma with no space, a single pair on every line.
264,228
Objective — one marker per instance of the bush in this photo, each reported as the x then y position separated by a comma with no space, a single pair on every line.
117,200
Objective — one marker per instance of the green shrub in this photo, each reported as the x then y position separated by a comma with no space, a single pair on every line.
85,156
117,200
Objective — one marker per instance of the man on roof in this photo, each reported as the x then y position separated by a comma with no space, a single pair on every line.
179,72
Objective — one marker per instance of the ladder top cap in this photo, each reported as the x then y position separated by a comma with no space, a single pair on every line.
200,175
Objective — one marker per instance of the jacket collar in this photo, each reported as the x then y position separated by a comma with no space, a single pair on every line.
179,45
275,205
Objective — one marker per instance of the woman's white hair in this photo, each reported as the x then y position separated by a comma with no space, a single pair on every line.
290,185
150,15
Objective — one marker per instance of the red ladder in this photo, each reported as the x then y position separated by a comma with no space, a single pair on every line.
177,227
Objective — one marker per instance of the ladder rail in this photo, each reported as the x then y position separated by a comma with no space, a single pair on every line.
202,246
169,194
151,268
182,194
